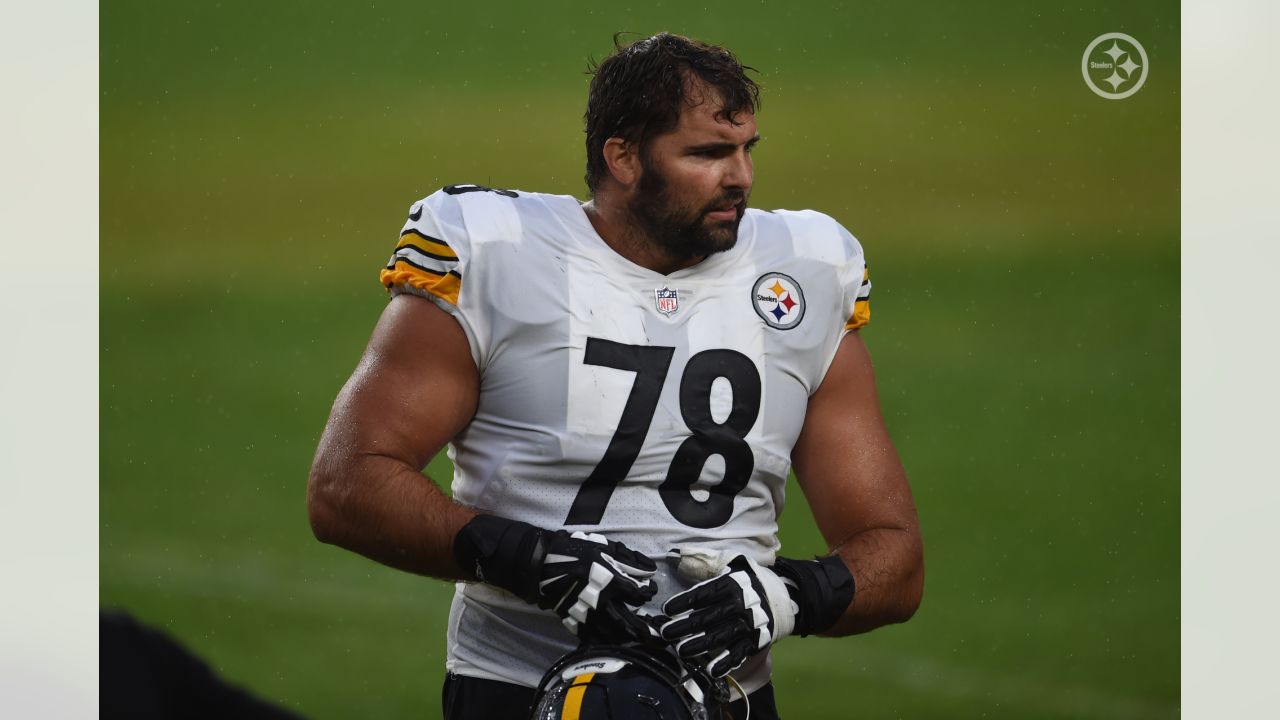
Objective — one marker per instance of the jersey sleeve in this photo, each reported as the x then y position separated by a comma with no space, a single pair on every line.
431,260
859,286
854,291
855,283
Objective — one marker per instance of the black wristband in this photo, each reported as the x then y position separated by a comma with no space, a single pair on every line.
823,589
501,552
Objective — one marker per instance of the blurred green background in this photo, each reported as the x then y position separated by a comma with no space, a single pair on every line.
257,160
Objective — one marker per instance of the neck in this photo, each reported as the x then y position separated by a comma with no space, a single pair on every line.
620,231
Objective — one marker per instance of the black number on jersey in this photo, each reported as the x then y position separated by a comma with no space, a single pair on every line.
650,364
460,189
726,439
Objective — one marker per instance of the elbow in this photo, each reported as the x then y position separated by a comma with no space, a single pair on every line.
911,599
912,591
323,505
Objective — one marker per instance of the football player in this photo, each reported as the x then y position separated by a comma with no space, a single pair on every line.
624,386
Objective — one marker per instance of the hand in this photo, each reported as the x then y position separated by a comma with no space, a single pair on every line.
593,584
743,608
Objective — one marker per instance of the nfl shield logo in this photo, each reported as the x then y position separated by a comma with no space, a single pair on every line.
668,300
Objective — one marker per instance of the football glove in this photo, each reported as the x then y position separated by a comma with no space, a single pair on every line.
720,622
741,607
593,584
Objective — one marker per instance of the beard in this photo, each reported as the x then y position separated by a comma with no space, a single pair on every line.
681,232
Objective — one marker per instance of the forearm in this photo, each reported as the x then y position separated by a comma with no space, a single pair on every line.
888,571
384,509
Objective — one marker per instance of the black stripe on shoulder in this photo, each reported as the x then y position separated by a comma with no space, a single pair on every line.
866,282
419,233
433,256
410,263
469,188
863,299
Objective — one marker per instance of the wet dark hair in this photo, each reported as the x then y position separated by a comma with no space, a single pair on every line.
637,93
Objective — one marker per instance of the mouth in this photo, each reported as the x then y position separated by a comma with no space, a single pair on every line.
725,212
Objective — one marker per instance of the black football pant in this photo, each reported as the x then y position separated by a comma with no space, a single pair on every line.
468,698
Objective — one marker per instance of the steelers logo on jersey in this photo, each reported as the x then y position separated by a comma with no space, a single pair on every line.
778,300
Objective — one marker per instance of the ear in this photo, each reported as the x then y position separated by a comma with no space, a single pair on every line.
623,160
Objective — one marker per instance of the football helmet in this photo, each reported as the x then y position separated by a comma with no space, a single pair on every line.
616,682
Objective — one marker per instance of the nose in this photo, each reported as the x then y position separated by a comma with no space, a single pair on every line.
739,173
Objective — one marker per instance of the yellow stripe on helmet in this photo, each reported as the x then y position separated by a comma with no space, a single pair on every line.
573,699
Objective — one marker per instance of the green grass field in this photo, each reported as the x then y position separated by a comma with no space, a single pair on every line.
1023,236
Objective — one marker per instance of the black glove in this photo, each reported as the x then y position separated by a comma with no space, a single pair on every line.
743,607
592,583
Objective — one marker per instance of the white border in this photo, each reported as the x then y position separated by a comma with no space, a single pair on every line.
1230,360
49,359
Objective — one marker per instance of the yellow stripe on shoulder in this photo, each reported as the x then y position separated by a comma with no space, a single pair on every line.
573,699
434,247
861,315
447,287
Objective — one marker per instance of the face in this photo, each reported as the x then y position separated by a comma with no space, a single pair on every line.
695,182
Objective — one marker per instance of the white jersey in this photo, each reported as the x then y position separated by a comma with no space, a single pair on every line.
659,410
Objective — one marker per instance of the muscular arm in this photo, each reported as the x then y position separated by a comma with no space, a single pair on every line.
854,482
414,389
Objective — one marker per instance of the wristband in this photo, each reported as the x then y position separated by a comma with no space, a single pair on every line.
501,552
822,588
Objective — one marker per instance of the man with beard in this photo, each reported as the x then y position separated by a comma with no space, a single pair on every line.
624,386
